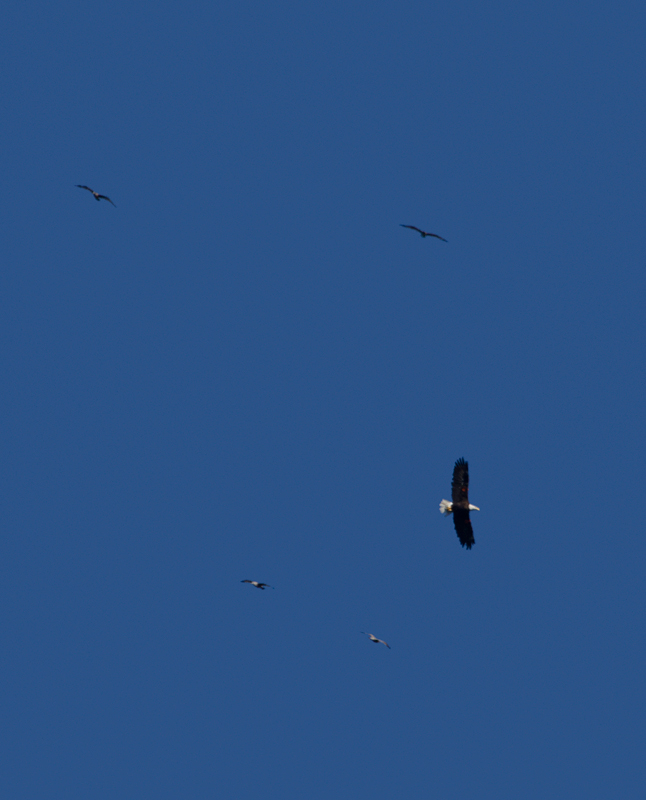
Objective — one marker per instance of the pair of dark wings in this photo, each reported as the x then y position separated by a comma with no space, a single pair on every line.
460,499
424,233
96,194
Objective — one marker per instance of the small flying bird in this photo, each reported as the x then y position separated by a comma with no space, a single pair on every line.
262,586
375,640
424,233
97,196
460,506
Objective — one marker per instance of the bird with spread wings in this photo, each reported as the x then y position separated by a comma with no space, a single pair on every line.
423,233
97,196
460,505
375,640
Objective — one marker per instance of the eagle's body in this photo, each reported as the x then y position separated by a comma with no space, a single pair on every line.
423,233
262,586
460,505
97,196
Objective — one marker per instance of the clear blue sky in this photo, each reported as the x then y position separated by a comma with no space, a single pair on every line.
248,369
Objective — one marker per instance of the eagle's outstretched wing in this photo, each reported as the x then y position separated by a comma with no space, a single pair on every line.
460,485
463,527
104,197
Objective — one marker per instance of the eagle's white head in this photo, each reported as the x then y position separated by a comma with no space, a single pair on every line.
446,507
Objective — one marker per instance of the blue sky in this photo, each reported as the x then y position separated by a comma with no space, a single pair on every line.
248,369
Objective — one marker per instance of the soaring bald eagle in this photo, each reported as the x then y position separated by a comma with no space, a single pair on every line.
97,196
460,506
375,640
424,233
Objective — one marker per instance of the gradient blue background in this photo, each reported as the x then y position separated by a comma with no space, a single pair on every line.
249,370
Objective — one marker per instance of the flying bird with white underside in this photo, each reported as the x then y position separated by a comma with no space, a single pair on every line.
460,506
262,586
97,196
375,640
424,233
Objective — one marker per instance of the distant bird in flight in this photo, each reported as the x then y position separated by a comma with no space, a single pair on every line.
375,640
262,586
97,196
424,233
460,506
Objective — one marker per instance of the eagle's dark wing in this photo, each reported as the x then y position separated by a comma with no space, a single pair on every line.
437,237
412,227
463,527
460,485
84,187
103,197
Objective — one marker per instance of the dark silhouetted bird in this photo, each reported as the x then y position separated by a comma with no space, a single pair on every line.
460,506
97,196
424,233
375,640
258,585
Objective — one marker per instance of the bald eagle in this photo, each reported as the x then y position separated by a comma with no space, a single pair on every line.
460,506
424,233
97,196
375,640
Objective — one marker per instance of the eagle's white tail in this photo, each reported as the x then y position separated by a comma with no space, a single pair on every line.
446,507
